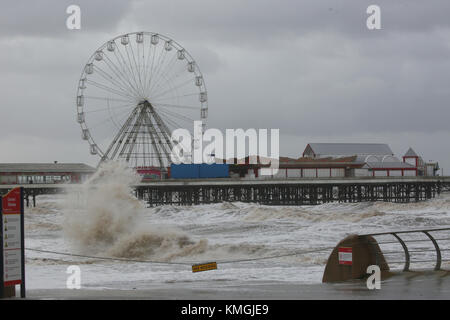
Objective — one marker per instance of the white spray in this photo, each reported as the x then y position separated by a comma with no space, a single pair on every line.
105,218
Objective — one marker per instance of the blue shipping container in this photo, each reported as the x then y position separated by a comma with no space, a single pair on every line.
196,171
213,170
184,171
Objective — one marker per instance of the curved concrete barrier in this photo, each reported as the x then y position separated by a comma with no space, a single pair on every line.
351,257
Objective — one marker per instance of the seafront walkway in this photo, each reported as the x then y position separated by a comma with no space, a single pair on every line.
433,285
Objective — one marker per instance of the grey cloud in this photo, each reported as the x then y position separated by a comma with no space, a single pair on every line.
47,18
309,68
256,22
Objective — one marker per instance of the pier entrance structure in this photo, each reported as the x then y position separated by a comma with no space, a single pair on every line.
133,92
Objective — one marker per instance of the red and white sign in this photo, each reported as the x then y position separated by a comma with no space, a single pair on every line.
11,202
345,255
12,245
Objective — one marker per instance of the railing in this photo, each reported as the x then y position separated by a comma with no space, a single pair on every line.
421,243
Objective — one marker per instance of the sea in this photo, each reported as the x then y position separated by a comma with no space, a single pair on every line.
117,242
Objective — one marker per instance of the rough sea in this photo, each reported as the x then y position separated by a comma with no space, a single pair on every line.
103,219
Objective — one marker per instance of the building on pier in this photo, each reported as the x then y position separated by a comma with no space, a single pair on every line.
40,173
386,166
336,150
338,160
424,168
378,159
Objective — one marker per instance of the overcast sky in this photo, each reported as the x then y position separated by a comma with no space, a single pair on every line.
310,68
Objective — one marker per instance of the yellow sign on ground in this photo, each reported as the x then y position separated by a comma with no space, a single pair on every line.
204,266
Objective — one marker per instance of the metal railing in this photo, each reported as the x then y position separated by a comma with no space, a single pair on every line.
414,243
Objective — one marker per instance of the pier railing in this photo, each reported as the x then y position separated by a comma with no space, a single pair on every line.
424,248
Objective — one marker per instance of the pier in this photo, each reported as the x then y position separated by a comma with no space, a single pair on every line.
268,192
292,192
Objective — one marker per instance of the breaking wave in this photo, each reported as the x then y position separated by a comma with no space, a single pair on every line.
105,218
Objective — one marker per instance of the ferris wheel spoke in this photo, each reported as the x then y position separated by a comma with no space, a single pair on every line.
147,64
175,106
125,70
141,60
170,80
126,82
139,63
173,92
137,71
130,64
110,79
187,123
125,75
179,96
177,115
144,73
154,72
167,69
162,72
129,71
151,52
161,59
105,98
106,88
163,93
165,82
109,108
151,67
175,124
106,121
171,84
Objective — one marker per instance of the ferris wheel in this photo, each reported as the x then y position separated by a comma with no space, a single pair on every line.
133,92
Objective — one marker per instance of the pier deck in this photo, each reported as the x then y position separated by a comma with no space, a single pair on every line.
269,191
292,192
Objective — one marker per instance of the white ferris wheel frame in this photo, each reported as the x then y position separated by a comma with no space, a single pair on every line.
191,66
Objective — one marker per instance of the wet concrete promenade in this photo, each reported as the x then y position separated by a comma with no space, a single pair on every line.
404,286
